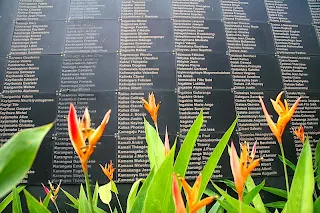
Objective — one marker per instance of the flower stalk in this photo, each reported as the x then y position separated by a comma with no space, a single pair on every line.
284,168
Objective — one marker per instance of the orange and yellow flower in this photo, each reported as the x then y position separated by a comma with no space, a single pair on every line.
108,170
285,114
52,191
84,138
191,194
300,133
242,169
151,107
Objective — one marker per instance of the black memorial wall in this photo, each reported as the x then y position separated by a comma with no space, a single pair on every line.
216,55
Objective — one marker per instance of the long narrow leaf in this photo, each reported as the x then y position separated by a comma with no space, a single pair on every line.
46,200
316,205
6,201
277,204
214,158
155,145
95,195
275,191
301,191
17,156
234,202
227,207
256,201
132,194
217,208
33,204
71,198
141,196
161,182
83,201
247,199
289,163
184,155
317,163
16,203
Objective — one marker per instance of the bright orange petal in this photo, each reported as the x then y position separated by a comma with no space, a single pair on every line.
177,198
187,189
276,107
252,166
99,131
195,191
236,170
201,204
85,122
271,124
74,131
294,107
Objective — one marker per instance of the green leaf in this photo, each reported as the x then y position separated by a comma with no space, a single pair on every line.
6,201
209,192
71,198
202,210
95,195
275,191
276,211
34,205
317,162
288,163
234,202
277,204
159,192
105,193
252,193
256,201
114,187
230,184
316,205
214,158
217,208
132,194
301,191
17,156
46,200
184,155
115,210
227,206
155,145
84,206
98,210
141,196
16,204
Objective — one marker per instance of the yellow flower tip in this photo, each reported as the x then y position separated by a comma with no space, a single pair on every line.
299,132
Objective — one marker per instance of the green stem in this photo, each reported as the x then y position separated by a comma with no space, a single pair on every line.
110,208
156,163
240,206
88,190
119,202
55,204
284,168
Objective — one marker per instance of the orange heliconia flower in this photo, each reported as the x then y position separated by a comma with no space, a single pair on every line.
151,107
191,194
242,169
53,191
177,197
300,133
84,138
166,144
285,114
108,170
